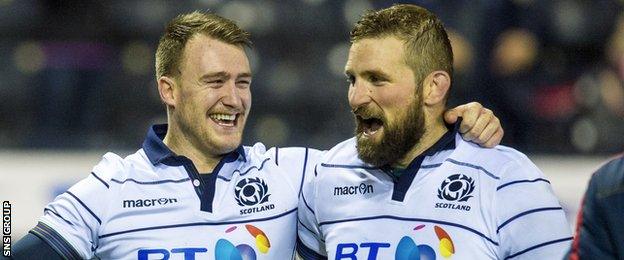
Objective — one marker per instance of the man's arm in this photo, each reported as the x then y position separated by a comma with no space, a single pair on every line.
70,223
595,235
299,165
479,124
33,247
531,224
310,244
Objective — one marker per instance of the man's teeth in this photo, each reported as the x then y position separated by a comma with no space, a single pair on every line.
223,117
369,131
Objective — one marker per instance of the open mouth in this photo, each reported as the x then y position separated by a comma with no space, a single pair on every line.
369,126
227,120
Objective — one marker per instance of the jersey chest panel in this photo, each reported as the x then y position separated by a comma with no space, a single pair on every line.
445,212
254,213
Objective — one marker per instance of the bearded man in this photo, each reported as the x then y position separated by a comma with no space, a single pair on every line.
407,186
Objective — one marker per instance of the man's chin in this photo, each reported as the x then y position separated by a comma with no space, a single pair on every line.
226,145
368,151
225,150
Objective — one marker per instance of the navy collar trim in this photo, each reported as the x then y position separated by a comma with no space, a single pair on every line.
405,177
446,142
158,152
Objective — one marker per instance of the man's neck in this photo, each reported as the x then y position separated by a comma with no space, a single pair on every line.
204,162
430,137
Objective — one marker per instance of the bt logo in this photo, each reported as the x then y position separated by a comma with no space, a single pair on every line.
224,249
406,249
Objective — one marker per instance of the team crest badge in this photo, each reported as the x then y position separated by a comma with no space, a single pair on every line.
251,192
457,187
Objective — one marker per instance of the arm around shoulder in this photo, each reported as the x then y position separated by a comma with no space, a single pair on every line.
310,244
531,223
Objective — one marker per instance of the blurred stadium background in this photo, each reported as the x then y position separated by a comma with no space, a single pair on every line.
77,80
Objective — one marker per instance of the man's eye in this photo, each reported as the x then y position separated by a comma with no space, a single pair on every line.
243,83
215,81
350,79
375,80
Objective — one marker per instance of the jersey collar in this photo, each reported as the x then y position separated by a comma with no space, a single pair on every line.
158,152
446,142
403,178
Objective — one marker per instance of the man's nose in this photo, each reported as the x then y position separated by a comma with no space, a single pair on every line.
231,95
359,95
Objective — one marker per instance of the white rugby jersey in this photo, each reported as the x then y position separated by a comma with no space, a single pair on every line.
154,205
456,200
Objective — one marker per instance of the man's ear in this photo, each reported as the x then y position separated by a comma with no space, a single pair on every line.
437,84
166,86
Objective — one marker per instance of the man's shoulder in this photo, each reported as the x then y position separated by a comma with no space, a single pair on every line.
500,153
344,153
283,156
609,177
111,165
258,153
499,160
114,167
341,162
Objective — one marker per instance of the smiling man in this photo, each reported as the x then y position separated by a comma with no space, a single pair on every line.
192,190
407,186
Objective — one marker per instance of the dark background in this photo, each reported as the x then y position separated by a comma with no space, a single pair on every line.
80,74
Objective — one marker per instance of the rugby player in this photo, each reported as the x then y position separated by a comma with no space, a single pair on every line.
599,226
192,190
407,186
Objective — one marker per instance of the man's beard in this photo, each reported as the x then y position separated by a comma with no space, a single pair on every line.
398,138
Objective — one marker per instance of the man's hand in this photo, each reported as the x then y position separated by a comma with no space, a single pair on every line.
479,124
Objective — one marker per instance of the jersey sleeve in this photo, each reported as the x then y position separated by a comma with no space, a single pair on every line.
297,162
33,248
596,232
71,222
310,243
531,224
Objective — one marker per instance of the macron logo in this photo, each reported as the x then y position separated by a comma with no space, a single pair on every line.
140,203
352,190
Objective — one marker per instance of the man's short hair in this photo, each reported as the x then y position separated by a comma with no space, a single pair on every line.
184,27
427,46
